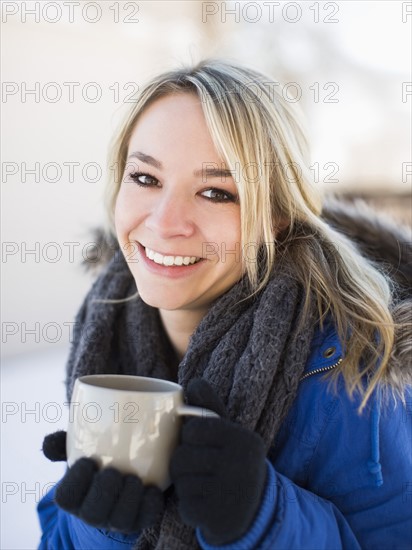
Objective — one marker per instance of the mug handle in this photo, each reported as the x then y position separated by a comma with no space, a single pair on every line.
195,411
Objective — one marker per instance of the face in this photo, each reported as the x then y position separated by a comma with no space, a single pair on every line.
177,213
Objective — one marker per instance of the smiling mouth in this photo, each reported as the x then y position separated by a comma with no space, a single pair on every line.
170,260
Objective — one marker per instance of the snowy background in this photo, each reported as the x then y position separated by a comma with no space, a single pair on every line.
349,60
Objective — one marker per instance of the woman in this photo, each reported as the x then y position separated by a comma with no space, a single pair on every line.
230,282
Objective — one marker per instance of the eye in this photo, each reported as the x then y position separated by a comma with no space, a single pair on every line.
218,195
145,180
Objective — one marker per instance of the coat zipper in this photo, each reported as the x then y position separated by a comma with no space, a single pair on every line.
322,369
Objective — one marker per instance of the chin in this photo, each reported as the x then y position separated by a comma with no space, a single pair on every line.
160,302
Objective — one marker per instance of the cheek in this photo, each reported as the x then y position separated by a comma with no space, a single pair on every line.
229,229
118,212
227,236
123,216
126,213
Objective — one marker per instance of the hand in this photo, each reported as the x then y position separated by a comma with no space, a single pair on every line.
219,471
105,498
54,446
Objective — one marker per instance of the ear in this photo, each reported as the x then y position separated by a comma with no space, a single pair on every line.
280,226
283,224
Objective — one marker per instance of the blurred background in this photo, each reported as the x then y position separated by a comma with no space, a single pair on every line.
69,70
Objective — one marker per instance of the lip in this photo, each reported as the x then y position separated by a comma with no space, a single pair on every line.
172,272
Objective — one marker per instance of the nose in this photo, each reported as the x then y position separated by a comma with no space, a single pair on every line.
171,216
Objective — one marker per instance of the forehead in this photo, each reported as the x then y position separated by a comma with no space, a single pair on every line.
175,108
174,126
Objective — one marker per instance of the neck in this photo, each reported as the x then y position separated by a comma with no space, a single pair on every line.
179,326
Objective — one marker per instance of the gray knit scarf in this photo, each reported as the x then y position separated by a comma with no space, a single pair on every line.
250,351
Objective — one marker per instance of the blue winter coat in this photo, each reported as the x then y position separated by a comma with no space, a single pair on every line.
335,479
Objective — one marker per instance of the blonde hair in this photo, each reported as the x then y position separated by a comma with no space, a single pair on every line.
253,127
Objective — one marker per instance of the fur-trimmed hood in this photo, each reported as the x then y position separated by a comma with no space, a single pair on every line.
377,235
389,245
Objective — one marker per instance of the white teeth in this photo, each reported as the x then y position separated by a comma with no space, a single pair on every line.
170,260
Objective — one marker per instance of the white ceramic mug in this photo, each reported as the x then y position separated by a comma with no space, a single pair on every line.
129,422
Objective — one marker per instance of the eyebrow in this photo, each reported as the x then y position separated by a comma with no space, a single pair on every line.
208,172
